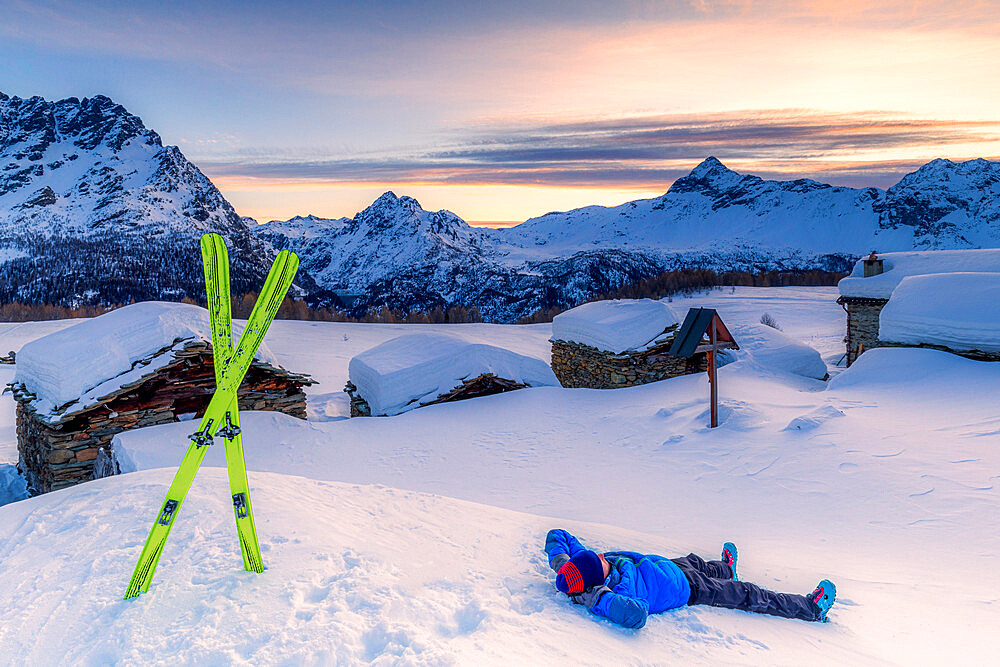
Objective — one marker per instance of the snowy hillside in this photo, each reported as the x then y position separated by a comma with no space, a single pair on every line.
942,205
93,208
401,255
417,539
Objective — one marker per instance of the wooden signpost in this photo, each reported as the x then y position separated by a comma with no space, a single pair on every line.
690,340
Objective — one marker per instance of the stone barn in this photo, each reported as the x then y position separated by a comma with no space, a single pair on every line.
620,343
145,364
865,292
421,369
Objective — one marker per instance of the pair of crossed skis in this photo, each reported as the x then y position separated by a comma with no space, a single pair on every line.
221,418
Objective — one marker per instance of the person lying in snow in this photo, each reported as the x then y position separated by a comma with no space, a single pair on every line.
625,587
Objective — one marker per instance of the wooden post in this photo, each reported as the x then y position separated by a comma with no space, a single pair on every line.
713,378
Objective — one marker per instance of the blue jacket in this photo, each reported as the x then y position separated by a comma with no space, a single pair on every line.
639,584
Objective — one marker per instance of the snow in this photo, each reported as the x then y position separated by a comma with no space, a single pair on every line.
774,350
615,325
416,539
960,311
72,368
405,372
899,265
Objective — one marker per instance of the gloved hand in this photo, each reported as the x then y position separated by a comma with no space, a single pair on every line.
558,561
590,596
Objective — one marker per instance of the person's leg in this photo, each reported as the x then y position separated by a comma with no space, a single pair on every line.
715,569
745,596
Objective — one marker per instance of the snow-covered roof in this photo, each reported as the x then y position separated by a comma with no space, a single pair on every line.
404,372
960,311
899,265
74,368
615,326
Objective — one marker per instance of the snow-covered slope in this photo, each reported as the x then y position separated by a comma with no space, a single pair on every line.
946,205
93,208
884,480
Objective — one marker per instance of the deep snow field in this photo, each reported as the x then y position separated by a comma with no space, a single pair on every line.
416,539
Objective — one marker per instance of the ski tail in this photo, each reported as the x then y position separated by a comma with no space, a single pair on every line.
279,279
142,575
239,489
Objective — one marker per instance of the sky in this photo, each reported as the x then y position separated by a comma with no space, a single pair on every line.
507,110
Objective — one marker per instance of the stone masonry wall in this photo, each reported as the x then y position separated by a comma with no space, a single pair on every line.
577,365
862,326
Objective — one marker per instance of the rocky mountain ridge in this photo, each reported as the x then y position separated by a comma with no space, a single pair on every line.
94,209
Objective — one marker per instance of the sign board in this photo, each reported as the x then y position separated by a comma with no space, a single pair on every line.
690,340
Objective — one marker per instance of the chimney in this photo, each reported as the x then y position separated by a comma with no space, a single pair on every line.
873,265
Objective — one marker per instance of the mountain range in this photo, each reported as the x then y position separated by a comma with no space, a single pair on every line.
93,208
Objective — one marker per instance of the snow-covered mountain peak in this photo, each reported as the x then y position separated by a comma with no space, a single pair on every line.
970,173
710,176
32,125
87,188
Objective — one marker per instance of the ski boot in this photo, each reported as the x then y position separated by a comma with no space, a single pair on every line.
823,597
729,557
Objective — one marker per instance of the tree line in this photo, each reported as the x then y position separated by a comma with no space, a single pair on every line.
666,284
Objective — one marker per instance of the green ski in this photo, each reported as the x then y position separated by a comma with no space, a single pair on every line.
279,279
216,260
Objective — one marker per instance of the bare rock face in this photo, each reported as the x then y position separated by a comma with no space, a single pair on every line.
94,209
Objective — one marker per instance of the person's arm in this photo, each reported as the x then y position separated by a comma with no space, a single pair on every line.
560,546
621,609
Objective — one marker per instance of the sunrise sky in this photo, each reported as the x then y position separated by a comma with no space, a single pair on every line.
502,111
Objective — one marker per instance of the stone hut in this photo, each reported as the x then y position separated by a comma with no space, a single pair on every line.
416,370
620,343
145,364
865,292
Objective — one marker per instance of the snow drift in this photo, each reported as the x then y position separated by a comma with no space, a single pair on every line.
404,372
960,311
614,325
774,350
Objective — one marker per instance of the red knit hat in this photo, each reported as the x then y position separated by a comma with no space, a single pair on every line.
580,573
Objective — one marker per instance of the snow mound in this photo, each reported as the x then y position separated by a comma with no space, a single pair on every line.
79,364
776,350
960,311
404,372
911,367
899,265
615,325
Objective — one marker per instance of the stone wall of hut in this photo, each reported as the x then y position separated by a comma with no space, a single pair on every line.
56,455
862,325
578,365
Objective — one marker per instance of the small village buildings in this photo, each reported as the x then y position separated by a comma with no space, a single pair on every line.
144,364
415,370
937,300
618,343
